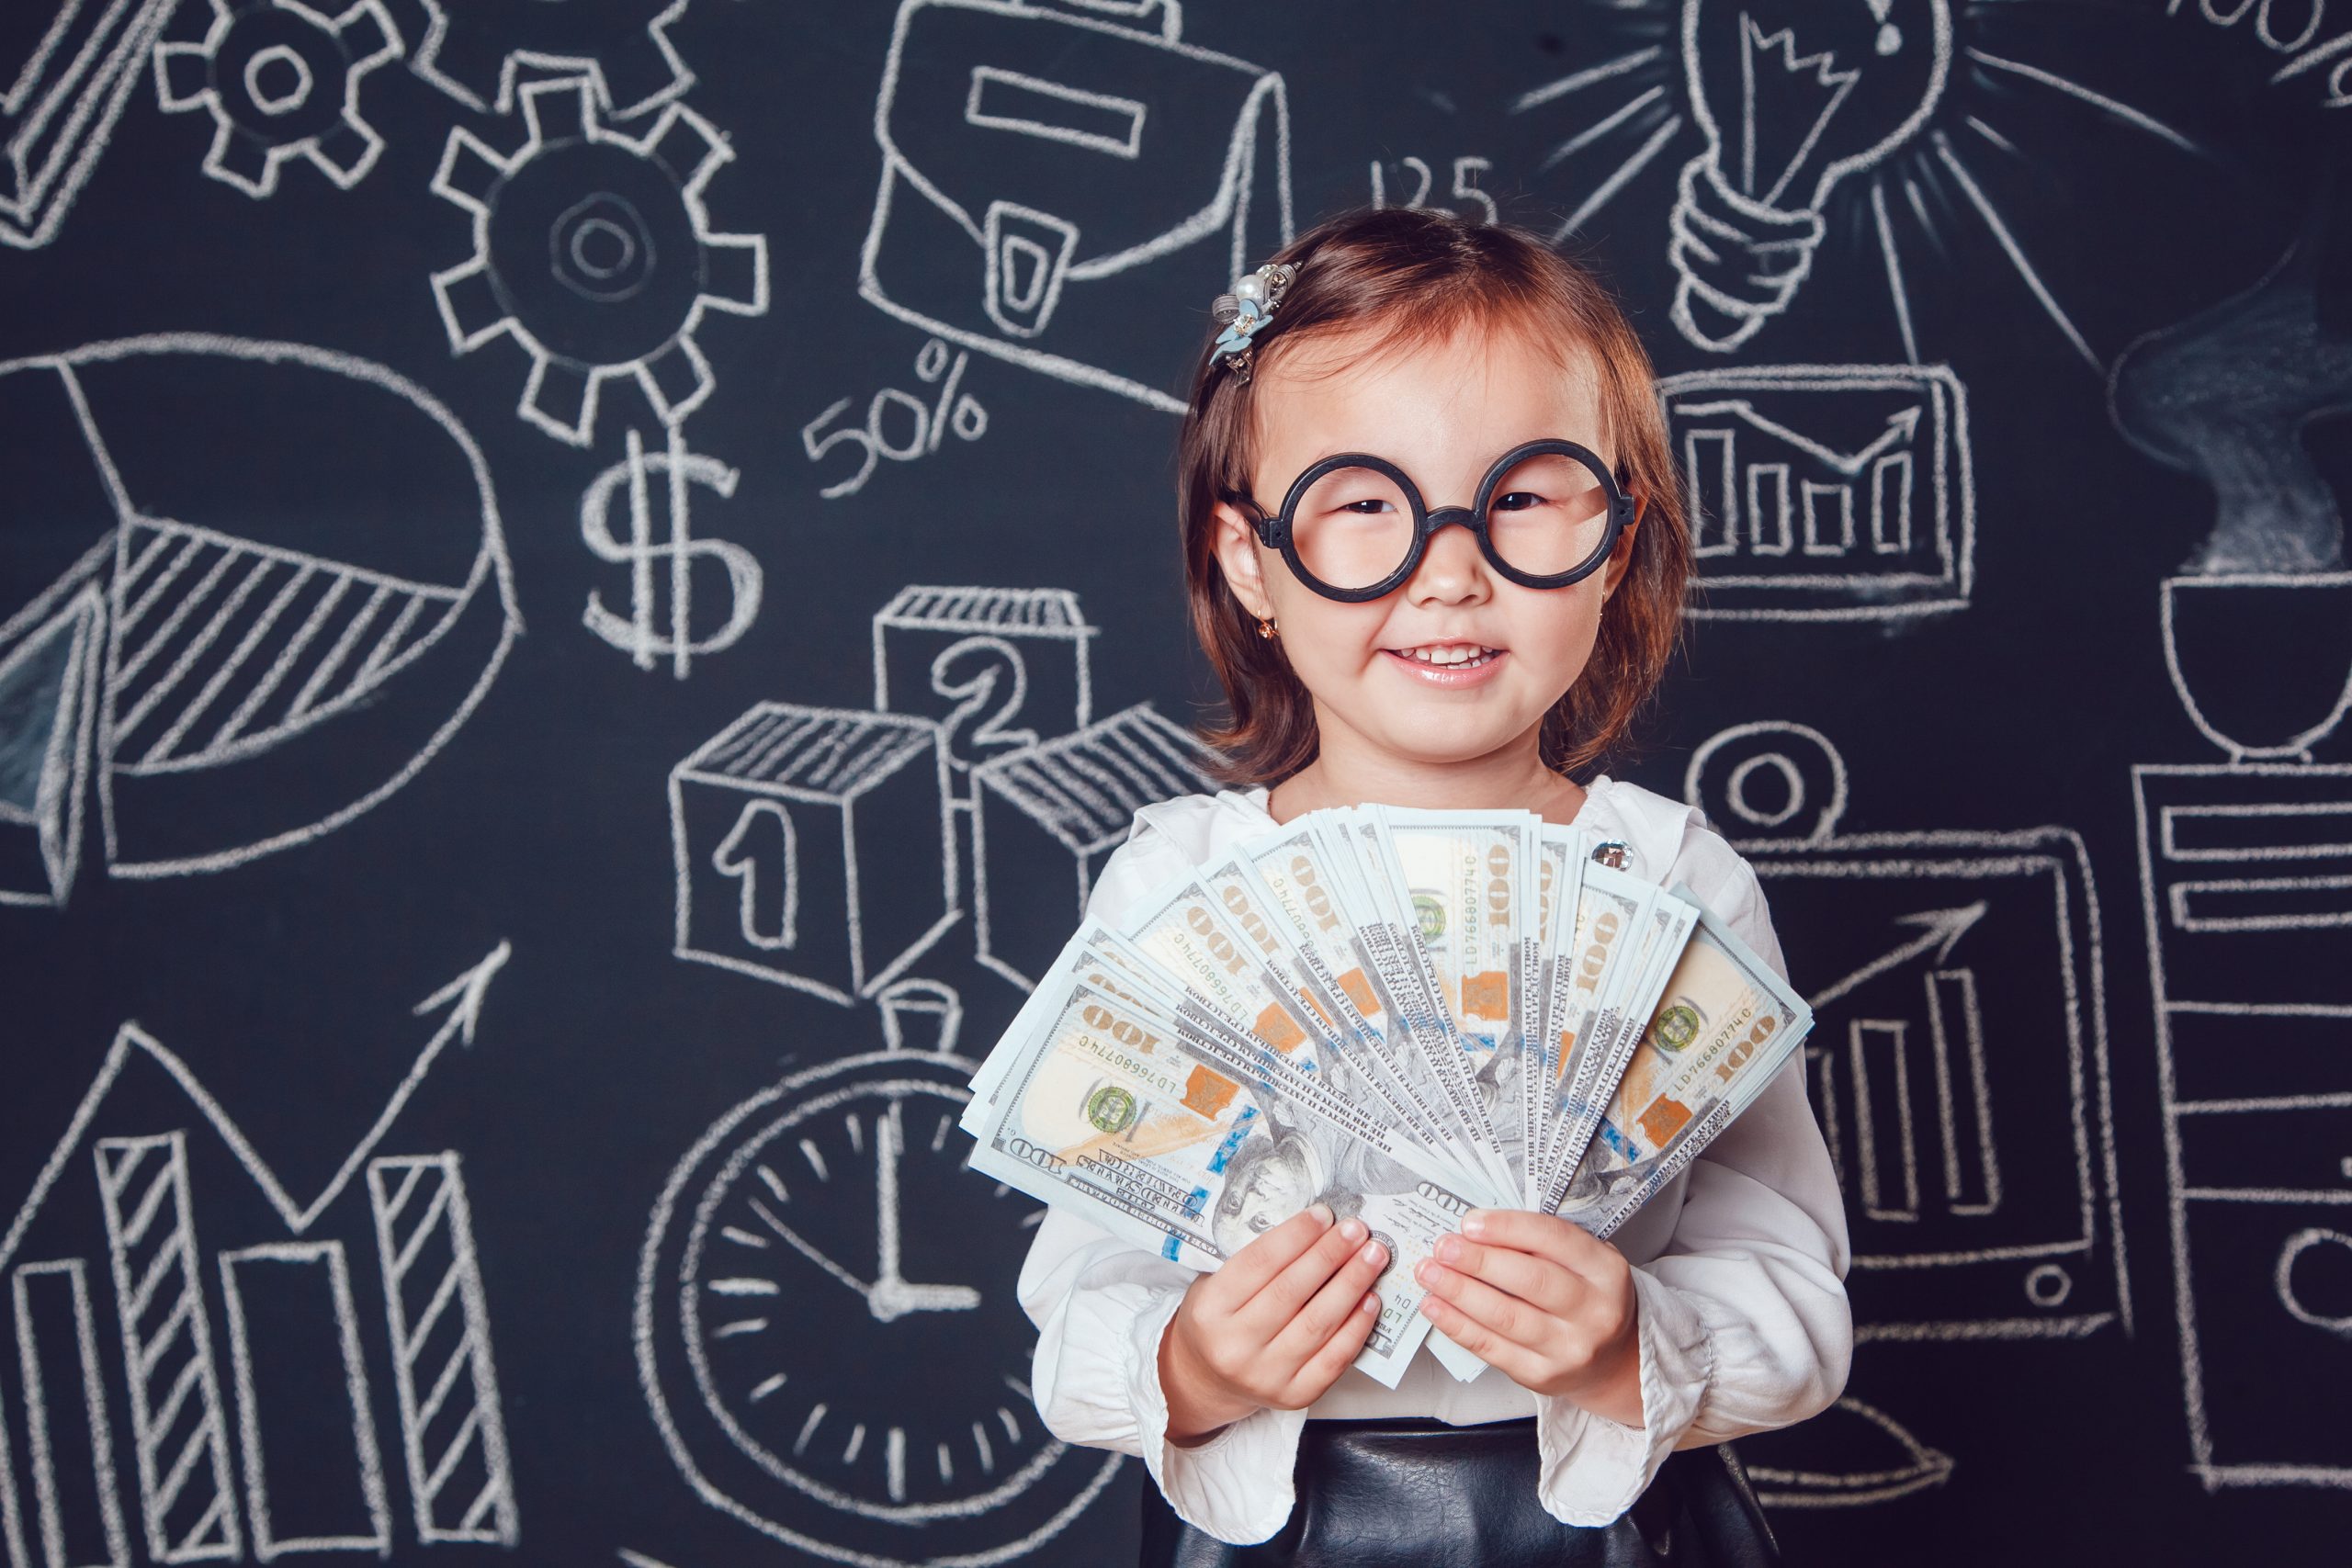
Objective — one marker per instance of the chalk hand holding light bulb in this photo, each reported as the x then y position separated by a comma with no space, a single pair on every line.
1789,96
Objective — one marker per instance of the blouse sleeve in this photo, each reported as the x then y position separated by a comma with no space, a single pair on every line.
1742,1320
1101,1307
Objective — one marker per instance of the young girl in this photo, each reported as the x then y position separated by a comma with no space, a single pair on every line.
1368,661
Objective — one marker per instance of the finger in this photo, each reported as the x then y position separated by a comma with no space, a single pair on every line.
1547,1235
1327,1309
1346,1343
1529,1276
1520,1321
1514,1360
1279,1300
1246,1271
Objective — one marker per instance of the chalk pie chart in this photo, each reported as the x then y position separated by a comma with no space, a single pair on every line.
247,589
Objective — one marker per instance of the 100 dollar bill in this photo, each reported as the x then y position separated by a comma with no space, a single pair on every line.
1724,1026
1140,1122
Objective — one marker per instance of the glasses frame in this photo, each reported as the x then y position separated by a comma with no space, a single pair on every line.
1275,530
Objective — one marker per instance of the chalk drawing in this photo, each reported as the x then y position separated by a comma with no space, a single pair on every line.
453,1430
179,1438
1067,802
2261,661
999,669
1096,170
1961,1067
916,1438
786,832
69,1519
1783,129
2245,867
2271,29
2229,394
1885,1462
1466,170
478,51
1794,101
595,251
911,1001
2245,890
929,422
1826,492
58,116
648,638
462,997
260,687
179,1435
274,1359
282,80
48,692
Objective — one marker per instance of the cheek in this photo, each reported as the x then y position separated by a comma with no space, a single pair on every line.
1554,631
1322,636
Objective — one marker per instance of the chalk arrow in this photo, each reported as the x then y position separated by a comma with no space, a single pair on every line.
465,992
1944,927
1902,430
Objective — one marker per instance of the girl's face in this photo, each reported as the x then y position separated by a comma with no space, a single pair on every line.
1444,412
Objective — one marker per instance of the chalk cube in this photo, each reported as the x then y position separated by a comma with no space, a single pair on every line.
1045,819
801,838
999,669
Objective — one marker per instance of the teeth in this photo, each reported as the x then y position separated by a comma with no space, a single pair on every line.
1450,655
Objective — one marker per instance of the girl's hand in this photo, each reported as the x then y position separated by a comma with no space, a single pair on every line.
1276,1327
1537,1297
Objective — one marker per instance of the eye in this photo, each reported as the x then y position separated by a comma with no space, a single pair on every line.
1370,506
1516,500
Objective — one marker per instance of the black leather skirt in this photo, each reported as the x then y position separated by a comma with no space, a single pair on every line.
1418,1493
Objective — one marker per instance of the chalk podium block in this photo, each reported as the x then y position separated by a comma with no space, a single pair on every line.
790,830
1045,819
999,669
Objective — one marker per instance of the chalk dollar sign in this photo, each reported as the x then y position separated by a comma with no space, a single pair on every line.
645,636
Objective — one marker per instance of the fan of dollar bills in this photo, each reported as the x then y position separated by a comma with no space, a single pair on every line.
1402,1014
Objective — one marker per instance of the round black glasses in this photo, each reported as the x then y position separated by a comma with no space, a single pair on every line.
1353,528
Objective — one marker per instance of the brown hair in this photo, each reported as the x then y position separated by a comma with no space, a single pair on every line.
1418,275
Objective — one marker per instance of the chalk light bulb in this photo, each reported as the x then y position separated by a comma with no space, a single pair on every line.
1793,96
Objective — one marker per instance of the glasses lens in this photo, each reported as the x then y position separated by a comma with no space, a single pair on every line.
1548,514
1353,527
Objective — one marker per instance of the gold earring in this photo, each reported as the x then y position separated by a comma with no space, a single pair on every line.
1265,626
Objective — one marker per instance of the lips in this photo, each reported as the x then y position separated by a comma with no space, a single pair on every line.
1447,666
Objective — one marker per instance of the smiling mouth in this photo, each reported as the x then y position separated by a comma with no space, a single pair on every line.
1447,656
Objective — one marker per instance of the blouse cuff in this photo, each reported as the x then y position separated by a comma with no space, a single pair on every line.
1235,1484
1593,1467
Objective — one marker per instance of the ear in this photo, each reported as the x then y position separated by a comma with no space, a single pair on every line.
1240,556
1620,555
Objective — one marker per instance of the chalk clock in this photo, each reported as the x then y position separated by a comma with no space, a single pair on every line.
826,1329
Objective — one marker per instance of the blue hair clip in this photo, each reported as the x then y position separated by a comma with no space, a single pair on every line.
1246,308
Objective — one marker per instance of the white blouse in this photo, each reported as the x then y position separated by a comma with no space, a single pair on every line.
1743,1323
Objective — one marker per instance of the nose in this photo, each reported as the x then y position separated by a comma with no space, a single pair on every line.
1451,570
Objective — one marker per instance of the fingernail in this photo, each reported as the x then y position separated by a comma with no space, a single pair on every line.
1322,1212
1422,1272
1373,1252
1474,1224
1448,1249
1353,1229
1371,1303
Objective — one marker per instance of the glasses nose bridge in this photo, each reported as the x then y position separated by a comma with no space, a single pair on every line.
1442,516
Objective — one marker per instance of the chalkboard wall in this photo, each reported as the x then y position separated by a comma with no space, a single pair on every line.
584,585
